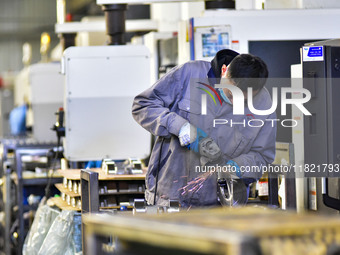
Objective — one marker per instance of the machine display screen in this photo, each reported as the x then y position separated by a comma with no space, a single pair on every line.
213,42
209,40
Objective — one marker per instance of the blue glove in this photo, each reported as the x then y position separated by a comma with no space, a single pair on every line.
194,146
190,136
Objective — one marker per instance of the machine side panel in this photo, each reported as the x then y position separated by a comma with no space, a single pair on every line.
101,83
315,127
333,89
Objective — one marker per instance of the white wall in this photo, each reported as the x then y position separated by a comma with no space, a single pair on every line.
308,4
283,4
169,14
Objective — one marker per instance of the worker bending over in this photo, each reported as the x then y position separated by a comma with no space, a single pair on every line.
172,109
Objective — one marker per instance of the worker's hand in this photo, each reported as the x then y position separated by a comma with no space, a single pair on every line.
187,134
191,136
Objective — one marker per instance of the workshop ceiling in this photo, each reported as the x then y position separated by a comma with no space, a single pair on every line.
25,19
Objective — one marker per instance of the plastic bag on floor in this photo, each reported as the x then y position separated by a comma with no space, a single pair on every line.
59,238
43,220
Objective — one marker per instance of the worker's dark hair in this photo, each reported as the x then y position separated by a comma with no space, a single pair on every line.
247,70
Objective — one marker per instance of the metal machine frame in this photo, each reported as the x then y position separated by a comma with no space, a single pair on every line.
19,180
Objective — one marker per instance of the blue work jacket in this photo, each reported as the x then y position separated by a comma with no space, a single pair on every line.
171,102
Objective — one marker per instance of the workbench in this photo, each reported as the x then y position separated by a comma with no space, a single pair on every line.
234,231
